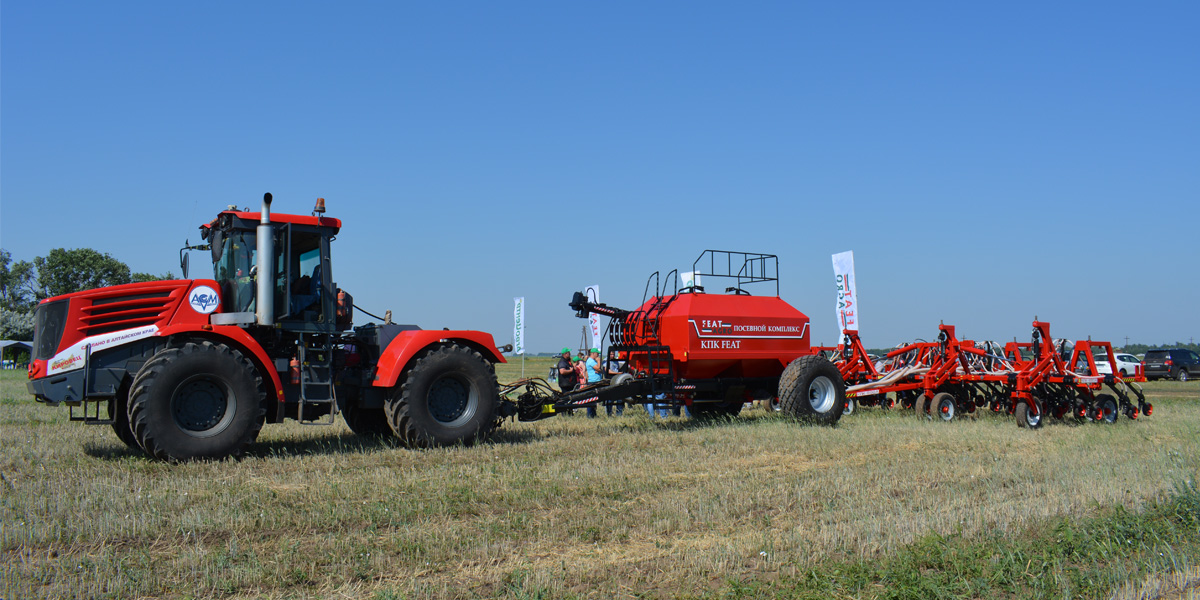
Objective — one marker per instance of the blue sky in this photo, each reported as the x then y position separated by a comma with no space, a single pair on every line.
986,162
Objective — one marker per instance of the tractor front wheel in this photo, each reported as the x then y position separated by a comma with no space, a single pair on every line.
812,390
201,400
118,413
448,396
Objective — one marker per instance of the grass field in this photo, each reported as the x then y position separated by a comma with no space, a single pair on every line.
882,506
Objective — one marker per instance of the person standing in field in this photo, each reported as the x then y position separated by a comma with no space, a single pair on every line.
592,368
568,377
580,370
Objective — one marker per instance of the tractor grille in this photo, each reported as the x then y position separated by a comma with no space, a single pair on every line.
106,315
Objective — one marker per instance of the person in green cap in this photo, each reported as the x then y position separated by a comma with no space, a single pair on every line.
567,379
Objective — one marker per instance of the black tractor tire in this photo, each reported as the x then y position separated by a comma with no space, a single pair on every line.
920,408
812,390
1106,408
118,412
1026,418
447,396
201,400
367,422
940,401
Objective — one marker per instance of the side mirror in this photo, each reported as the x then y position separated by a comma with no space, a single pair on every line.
183,264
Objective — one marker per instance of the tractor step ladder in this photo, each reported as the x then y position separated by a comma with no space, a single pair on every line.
316,378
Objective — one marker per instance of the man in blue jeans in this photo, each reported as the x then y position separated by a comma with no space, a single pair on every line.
592,368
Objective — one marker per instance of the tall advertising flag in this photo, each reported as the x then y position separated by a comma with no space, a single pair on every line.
847,300
593,295
519,325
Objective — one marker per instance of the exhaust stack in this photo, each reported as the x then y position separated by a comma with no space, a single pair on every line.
265,298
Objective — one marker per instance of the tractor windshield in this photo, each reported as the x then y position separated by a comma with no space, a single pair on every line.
232,271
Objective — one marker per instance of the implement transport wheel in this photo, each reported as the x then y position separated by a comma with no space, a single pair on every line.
369,422
851,403
942,407
447,396
1106,408
812,390
1026,418
201,400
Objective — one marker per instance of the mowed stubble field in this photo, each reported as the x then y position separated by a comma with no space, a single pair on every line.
568,507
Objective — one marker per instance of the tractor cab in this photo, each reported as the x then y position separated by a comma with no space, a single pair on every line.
297,284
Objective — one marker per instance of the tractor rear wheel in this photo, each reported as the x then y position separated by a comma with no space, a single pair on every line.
201,400
448,396
812,390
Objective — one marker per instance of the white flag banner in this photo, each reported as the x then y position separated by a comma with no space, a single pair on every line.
847,300
593,295
519,325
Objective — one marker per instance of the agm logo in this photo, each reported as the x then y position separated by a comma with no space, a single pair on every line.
204,300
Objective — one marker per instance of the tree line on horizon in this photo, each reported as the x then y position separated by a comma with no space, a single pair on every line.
25,283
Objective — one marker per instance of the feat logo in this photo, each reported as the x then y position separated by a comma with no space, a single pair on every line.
204,300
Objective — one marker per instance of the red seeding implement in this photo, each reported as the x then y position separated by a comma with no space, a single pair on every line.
707,352
949,377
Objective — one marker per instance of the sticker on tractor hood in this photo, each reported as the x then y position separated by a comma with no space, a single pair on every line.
203,299
73,358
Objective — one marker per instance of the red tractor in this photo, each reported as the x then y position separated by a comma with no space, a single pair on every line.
193,368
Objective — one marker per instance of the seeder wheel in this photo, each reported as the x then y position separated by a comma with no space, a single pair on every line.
1026,418
1106,408
942,407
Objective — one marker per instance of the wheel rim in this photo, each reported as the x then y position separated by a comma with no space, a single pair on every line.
452,400
849,407
946,410
201,406
1110,411
822,394
1031,418
1183,375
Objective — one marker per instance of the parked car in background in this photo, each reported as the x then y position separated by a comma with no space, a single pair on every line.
1172,363
1127,365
